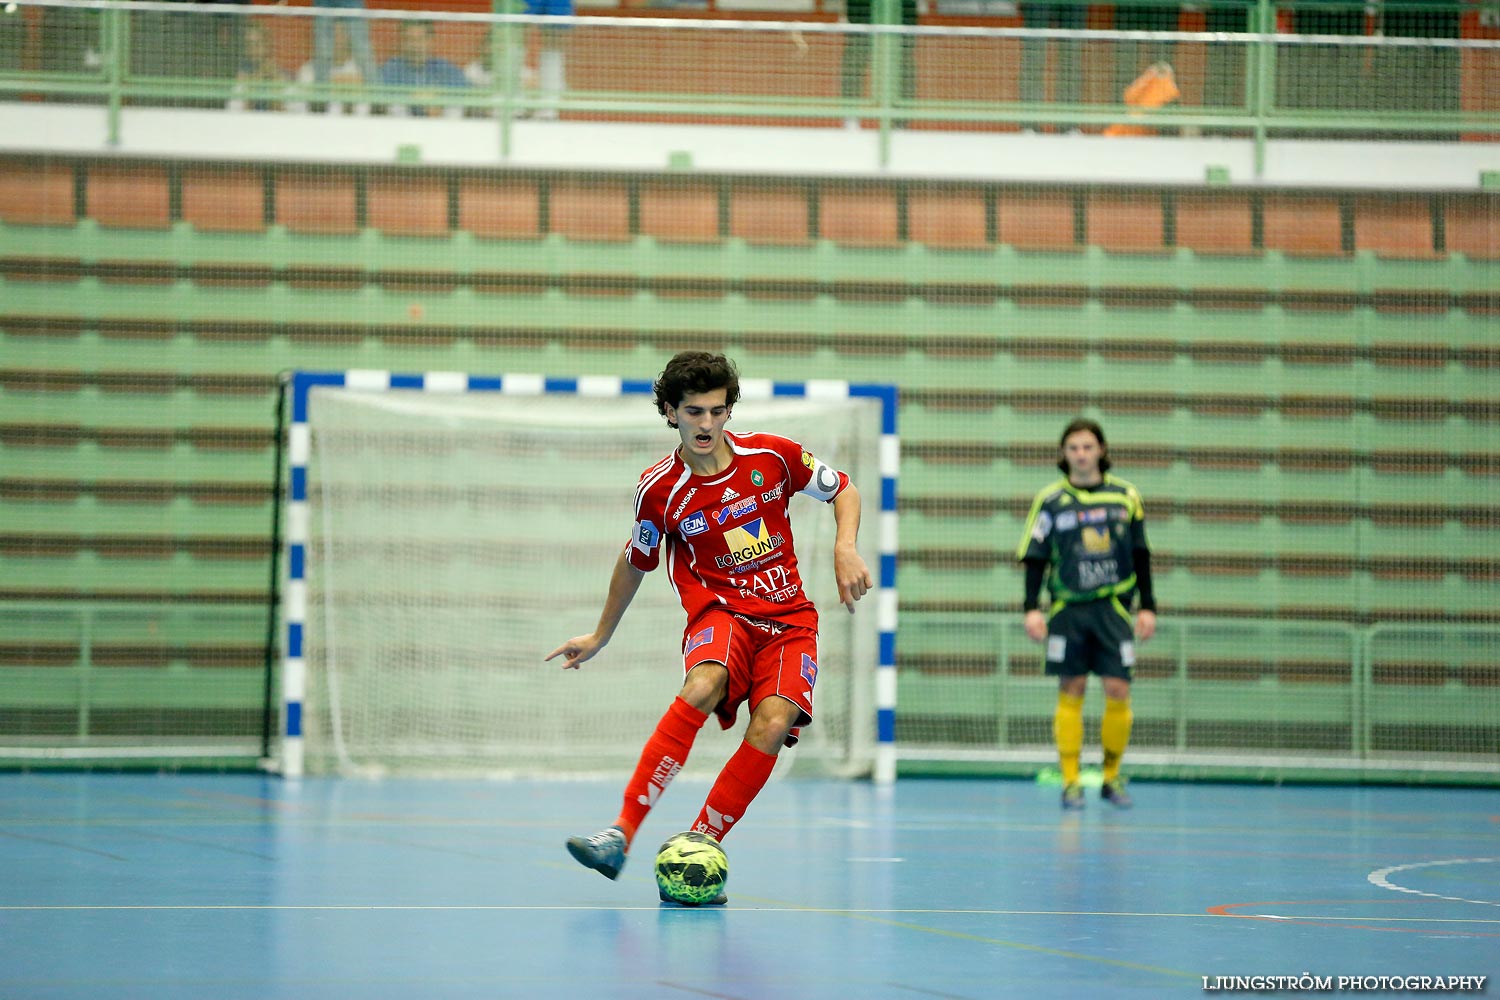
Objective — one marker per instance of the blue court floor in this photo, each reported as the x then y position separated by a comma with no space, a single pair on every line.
224,887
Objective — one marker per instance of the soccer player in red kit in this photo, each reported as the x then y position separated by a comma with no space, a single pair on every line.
716,510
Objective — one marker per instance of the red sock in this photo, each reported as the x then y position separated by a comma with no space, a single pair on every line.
663,756
739,783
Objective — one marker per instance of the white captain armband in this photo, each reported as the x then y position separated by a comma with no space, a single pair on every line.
826,481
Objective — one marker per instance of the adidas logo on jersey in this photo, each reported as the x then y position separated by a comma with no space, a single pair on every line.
729,494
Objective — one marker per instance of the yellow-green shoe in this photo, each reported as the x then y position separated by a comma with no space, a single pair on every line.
1072,796
1115,794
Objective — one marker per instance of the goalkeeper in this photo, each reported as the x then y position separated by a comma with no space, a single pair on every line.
1086,535
716,510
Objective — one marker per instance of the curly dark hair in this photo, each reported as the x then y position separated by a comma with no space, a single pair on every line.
695,371
1092,426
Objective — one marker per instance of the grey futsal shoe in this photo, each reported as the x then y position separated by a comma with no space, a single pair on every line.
604,851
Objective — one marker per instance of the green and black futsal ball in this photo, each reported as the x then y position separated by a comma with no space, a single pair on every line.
691,868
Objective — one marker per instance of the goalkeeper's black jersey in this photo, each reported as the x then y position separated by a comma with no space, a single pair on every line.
1088,537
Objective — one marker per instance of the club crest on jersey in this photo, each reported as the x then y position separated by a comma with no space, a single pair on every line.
757,478
694,524
747,542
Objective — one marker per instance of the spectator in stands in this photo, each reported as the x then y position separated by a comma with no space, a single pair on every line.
335,39
857,53
344,72
1066,81
258,69
416,67
1086,536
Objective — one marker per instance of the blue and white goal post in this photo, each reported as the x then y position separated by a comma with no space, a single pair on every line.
444,532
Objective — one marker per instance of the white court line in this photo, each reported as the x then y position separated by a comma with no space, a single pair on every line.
497,907
1382,879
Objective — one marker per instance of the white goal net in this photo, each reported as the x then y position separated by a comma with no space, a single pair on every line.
456,539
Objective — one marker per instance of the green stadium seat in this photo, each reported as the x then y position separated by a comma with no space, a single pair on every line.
129,195
227,200
769,213
36,193
686,212
1125,222
1216,223
1037,220
161,656
1471,225
1308,225
33,653
590,210
501,208
1396,226
405,205
321,202
948,218
859,214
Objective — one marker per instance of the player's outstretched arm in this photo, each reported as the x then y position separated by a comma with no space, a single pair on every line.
623,583
849,567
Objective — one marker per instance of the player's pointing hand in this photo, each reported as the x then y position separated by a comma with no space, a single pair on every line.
575,651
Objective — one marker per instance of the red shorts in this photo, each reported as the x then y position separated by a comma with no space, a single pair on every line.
763,657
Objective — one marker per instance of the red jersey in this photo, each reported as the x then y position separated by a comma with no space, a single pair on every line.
727,537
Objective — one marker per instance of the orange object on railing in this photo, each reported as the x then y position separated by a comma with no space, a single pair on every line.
1154,88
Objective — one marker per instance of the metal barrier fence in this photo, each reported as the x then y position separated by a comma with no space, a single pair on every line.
1238,697
125,683
129,683
1245,78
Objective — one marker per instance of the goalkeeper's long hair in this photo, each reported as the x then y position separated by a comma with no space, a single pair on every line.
1092,426
695,371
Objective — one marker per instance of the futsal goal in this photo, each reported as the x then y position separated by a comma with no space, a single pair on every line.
444,532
